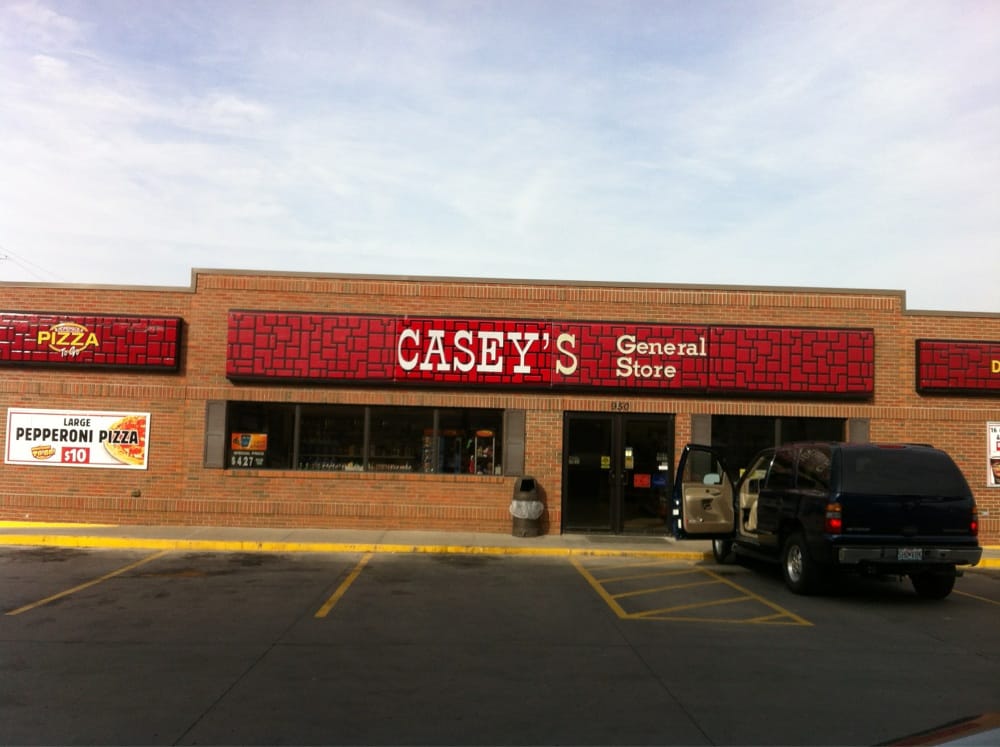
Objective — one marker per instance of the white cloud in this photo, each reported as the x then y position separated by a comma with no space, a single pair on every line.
510,139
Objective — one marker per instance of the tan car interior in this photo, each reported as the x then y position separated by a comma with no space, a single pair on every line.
708,504
749,492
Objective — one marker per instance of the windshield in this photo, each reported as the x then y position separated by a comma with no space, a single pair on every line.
901,472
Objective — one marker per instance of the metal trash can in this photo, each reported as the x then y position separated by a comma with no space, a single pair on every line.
526,508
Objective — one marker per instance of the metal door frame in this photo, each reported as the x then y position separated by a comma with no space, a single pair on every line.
617,476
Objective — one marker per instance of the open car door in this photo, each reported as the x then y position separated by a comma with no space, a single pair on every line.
703,500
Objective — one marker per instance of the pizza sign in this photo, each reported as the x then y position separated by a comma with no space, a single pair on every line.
69,339
89,341
57,438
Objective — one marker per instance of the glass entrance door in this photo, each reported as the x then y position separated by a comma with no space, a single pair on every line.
647,448
616,472
587,472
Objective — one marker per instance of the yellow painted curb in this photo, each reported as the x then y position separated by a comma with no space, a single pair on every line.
52,524
141,543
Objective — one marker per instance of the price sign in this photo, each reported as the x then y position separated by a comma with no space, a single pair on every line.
247,460
75,455
248,450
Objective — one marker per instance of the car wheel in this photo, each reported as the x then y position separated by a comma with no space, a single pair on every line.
801,574
723,551
933,585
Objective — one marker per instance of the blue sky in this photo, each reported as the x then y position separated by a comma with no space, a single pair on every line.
834,145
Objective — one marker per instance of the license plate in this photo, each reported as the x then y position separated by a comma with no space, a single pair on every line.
910,553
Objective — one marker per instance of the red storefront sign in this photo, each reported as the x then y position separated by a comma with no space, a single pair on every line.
689,359
90,340
958,367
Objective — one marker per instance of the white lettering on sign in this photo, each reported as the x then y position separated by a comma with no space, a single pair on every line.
529,339
565,345
491,351
407,364
481,351
490,360
629,367
465,358
435,351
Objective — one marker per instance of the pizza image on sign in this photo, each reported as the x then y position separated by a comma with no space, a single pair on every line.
125,439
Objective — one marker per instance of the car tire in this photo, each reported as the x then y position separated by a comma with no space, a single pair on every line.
799,570
933,585
723,551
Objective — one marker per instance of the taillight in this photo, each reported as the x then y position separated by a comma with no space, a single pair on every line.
974,522
834,523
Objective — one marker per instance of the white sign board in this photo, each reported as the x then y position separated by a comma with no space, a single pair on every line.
69,438
993,455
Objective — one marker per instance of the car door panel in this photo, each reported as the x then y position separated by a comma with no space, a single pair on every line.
703,506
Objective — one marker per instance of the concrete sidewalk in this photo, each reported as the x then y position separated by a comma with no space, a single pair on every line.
254,539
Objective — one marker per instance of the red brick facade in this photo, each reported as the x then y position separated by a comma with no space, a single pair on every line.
177,487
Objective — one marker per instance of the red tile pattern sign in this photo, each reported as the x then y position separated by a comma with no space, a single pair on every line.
310,347
958,367
632,356
90,340
542,354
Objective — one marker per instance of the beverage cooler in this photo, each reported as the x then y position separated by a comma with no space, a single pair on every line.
458,452
446,454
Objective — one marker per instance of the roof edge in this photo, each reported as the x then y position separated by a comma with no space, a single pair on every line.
548,281
196,271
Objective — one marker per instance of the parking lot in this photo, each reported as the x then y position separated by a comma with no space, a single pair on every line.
173,647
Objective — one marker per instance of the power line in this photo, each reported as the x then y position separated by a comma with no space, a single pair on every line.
35,270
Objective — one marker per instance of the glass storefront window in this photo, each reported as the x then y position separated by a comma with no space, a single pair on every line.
274,422
358,438
468,441
739,437
397,438
332,437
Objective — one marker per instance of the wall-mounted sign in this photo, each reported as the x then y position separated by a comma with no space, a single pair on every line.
993,454
65,438
688,359
85,341
958,367
247,450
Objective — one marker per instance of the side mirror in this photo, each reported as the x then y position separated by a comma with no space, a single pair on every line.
712,478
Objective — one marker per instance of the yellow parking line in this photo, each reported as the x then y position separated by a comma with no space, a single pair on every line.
779,615
781,610
765,618
599,588
342,589
614,579
87,585
976,596
655,589
656,562
692,606
720,620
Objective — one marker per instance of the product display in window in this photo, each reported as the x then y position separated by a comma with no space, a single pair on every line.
357,438
482,460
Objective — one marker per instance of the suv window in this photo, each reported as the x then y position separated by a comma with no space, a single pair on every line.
814,468
782,474
901,472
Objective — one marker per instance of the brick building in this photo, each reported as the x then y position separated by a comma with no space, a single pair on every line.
283,399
